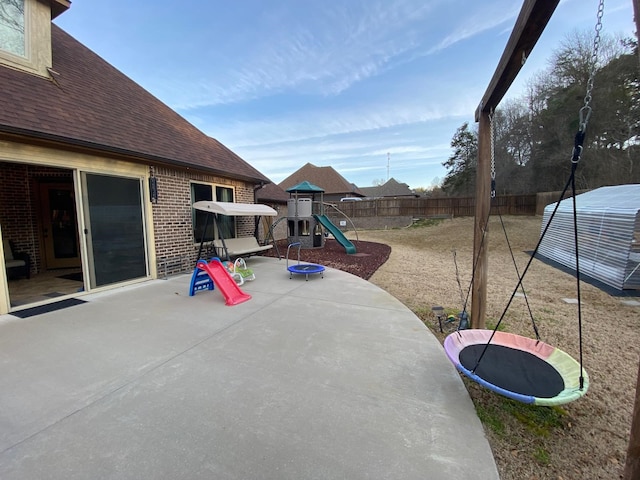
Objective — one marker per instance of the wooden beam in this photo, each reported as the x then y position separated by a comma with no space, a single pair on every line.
636,15
480,235
632,465
531,22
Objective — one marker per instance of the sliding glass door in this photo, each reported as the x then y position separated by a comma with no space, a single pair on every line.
115,231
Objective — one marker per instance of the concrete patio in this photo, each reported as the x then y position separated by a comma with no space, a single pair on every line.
328,378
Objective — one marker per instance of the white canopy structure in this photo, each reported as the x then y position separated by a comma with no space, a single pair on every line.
608,235
235,209
226,247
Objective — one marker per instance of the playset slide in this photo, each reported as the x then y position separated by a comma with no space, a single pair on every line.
337,234
225,282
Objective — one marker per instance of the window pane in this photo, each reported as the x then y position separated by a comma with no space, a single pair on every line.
199,193
12,26
227,224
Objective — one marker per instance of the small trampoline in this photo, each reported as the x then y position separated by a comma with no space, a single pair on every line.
305,269
520,368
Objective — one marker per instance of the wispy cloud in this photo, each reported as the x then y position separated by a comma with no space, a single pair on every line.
470,26
337,46
317,124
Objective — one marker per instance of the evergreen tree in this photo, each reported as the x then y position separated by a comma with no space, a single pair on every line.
461,165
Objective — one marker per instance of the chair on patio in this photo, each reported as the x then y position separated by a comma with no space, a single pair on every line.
18,264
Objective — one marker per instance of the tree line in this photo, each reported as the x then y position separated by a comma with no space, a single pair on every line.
533,136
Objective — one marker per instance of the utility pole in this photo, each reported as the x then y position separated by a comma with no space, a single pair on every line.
388,158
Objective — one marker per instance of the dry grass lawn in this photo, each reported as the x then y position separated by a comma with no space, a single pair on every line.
586,439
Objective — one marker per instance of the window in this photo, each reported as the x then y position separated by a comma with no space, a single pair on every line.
202,220
12,27
227,224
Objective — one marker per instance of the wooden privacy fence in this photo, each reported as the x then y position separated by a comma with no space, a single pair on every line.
437,207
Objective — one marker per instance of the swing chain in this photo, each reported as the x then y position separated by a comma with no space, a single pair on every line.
585,111
493,155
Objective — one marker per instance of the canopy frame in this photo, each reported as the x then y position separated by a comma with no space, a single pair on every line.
231,209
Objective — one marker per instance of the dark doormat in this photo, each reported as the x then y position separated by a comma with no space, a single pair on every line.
50,307
72,276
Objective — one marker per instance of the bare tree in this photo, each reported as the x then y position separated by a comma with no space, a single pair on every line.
12,14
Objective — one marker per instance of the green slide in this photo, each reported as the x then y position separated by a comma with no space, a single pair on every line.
338,235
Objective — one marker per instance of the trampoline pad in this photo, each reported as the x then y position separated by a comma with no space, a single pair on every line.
513,370
306,268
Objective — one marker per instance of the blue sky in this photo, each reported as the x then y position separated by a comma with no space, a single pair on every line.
372,88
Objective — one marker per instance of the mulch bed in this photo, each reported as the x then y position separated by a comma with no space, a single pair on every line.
368,258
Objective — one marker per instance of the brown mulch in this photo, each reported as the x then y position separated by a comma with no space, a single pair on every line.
368,258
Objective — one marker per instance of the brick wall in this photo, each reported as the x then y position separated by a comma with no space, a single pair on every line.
19,203
176,249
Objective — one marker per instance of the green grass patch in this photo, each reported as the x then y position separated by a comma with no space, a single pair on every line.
426,222
491,418
541,421
542,456
490,324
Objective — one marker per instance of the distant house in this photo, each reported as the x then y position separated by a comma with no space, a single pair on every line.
390,189
335,186
96,174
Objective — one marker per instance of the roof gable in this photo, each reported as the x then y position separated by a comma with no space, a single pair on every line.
391,188
89,103
324,177
271,193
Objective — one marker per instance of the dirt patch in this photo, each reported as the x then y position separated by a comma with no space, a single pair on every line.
586,439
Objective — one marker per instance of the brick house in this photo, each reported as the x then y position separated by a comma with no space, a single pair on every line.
96,174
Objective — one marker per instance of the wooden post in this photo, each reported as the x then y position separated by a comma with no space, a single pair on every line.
636,14
533,18
632,465
483,204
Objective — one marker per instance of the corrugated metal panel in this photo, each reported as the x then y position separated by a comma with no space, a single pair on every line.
632,273
607,230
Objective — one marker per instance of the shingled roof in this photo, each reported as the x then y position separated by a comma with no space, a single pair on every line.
271,193
90,104
391,188
326,177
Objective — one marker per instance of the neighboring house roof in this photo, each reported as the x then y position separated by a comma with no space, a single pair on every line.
324,177
391,188
90,104
271,193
